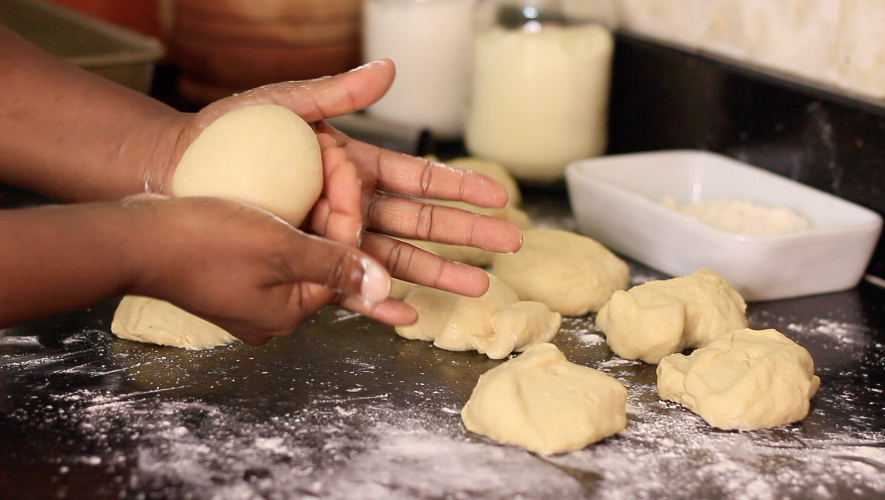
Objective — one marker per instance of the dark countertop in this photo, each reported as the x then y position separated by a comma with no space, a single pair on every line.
346,409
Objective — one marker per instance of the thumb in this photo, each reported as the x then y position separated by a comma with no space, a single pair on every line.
315,100
342,268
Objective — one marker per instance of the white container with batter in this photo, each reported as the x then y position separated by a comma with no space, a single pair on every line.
429,41
540,88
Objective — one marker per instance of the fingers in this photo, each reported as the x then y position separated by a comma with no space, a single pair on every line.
338,213
322,98
406,262
413,219
391,311
418,177
334,265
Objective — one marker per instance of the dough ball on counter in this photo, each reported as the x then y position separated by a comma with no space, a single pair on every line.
658,318
495,324
746,379
541,401
263,155
570,273
154,321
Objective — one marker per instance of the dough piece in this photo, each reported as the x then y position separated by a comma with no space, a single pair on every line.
541,401
154,321
658,318
746,379
399,288
263,155
570,273
517,326
495,324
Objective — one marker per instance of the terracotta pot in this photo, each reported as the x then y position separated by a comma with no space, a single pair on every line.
229,46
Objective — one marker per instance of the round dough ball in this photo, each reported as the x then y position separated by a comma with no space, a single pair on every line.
661,317
541,401
746,379
155,321
263,155
570,273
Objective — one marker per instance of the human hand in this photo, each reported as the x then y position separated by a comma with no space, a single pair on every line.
390,182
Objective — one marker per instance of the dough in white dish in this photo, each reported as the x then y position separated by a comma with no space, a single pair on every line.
541,401
155,321
746,379
266,156
495,324
658,318
570,273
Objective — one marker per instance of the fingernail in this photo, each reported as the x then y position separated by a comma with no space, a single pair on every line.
376,283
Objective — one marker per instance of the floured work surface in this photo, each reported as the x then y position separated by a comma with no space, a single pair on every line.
347,409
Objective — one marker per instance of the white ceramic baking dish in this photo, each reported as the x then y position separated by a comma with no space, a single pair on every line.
617,201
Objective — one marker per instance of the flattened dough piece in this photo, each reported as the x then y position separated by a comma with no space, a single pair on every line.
154,321
541,401
570,273
658,318
266,156
263,155
746,379
495,324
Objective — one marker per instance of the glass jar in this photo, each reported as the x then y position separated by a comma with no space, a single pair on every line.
540,87
429,41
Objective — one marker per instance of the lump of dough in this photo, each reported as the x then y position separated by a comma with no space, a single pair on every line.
263,155
658,318
495,324
570,273
154,321
266,156
746,379
541,401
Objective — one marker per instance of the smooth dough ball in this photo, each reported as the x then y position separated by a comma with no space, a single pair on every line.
154,321
495,324
263,155
658,318
266,156
541,401
746,379
570,273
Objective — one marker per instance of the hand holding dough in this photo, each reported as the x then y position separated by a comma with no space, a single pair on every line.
658,318
570,273
746,379
495,324
266,156
541,401
471,255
